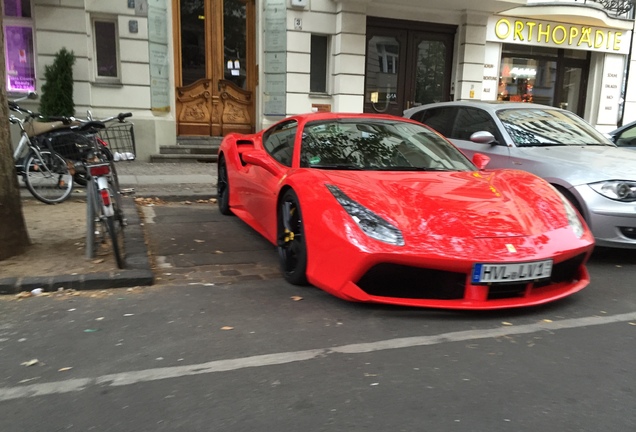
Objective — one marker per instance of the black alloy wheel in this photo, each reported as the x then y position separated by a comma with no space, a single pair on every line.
292,248
223,188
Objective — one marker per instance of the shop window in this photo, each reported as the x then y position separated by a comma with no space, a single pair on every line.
106,50
18,46
318,66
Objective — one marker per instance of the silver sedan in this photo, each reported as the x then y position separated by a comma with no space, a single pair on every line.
586,167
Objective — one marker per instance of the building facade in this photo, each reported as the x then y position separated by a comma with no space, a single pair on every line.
209,67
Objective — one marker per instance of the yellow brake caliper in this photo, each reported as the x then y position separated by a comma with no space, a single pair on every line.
289,235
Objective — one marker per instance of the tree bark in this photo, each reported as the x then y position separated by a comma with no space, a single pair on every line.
14,238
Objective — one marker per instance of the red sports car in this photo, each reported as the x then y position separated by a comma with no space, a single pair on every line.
375,208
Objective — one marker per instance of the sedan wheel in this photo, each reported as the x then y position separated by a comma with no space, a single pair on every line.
223,188
292,249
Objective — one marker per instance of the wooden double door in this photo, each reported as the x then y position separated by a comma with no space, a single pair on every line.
215,70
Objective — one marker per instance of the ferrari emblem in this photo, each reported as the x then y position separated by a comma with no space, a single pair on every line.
511,248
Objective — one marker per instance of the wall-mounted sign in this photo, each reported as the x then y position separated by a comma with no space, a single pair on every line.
159,55
557,35
611,90
275,58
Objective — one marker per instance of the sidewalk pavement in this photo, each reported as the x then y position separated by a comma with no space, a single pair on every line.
166,181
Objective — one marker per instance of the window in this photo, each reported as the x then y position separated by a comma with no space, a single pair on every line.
18,46
106,51
440,119
279,142
471,120
318,66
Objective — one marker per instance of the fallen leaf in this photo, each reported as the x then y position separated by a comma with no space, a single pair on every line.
23,294
296,298
227,328
30,362
506,323
64,369
218,252
199,241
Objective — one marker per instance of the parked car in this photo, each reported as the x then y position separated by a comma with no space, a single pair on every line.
580,162
625,136
375,208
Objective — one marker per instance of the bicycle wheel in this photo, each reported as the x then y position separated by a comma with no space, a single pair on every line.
115,232
107,231
47,176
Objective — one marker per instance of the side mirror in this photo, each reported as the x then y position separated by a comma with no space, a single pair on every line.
480,160
483,137
261,159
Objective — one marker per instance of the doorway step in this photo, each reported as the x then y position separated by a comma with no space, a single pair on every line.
189,149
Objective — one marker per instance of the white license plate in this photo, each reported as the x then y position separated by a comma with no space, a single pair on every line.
491,273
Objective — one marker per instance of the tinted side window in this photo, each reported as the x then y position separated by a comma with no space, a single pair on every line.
440,119
471,120
279,142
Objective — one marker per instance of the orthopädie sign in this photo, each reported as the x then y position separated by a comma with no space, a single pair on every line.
562,35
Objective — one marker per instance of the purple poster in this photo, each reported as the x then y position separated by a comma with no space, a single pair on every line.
19,58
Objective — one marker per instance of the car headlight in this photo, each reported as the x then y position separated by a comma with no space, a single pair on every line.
573,217
619,190
370,223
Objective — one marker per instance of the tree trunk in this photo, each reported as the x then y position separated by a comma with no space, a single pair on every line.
14,238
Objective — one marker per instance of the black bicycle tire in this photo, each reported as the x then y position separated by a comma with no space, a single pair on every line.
34,190
114,241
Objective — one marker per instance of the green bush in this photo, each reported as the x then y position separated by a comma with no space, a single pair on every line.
57,91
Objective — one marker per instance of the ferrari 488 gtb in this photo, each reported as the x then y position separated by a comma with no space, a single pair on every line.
376,208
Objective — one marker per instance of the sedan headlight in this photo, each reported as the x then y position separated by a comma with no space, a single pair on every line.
370,223
619,190
573,217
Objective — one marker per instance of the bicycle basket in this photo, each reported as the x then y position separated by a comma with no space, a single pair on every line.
120,140
70,145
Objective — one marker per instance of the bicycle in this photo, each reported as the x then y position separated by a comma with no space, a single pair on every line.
46,174
104,214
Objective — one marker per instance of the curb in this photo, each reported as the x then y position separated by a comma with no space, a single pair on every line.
137,273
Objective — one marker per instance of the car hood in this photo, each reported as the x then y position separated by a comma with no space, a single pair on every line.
581,164
432,205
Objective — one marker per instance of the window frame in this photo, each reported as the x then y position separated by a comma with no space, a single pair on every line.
106,79
26,22
275,152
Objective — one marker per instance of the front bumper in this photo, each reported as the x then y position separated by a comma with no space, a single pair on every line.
613,223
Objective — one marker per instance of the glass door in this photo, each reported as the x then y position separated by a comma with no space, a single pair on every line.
405,65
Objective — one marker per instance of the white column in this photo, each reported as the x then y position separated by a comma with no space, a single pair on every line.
471,55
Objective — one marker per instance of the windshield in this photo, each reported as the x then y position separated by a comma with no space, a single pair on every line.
375,144
546,127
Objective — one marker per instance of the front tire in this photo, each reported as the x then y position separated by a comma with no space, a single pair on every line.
292,247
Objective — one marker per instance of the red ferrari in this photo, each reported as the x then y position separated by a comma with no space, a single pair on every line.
375,208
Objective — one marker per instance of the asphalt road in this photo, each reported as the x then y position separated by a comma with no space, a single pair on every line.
222,343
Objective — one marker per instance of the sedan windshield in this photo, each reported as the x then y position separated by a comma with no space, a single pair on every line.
546,127
379,145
